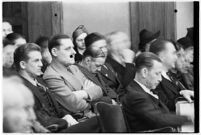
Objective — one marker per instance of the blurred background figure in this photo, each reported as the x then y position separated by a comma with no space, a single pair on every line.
187,48
120,56
78,36
6,28
16,39
43,42
146,38
18,114
8,52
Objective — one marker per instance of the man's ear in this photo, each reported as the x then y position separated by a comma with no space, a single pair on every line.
88,59
54,51
22,64
144,72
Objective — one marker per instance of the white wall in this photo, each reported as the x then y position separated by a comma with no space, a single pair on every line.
184,17
97,17
106,17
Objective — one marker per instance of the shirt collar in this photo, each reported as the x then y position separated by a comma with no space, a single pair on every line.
164,74
146,89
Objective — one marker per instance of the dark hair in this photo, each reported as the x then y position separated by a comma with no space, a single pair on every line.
159,45
21,53
55,41
40,41
145,59
93,37
14,36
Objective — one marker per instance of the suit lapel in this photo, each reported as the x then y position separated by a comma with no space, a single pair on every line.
169,85
34,90
69,78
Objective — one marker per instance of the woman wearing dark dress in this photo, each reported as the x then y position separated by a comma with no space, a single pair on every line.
78,40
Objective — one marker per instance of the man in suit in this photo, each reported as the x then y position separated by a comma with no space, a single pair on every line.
143,109
118,69
92,62
28,62
170,88
70,86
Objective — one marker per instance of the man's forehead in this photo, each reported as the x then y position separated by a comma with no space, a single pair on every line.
157,64
34,54
66,42
99,43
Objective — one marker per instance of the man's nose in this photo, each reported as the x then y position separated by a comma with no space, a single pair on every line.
73,51
40,64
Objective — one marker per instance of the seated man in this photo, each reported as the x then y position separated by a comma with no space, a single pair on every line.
92,62
169,88
18,113
71,88
28,62
118,70
143,109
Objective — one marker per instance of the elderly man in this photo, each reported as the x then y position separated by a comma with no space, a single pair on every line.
70,86
118,70
170,88
143,109
28,62
18,113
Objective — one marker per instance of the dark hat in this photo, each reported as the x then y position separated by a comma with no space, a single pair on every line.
78,31
147,36
190,33
185,42
93,37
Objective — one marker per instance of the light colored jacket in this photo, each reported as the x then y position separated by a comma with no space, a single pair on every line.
66,82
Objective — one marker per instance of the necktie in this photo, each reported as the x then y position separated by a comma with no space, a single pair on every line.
176,81
41,86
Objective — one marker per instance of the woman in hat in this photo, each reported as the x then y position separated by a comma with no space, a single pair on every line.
146,39
78,40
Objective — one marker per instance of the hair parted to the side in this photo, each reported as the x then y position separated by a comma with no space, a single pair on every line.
145,59
55,41
21,53
159,45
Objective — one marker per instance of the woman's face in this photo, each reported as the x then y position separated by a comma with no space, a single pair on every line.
80,41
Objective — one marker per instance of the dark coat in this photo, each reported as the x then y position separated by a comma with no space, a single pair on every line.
116,76
48,117
124,74
47,114
168,92
97,79
145,112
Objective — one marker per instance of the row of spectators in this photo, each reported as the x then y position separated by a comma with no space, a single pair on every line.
67,78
